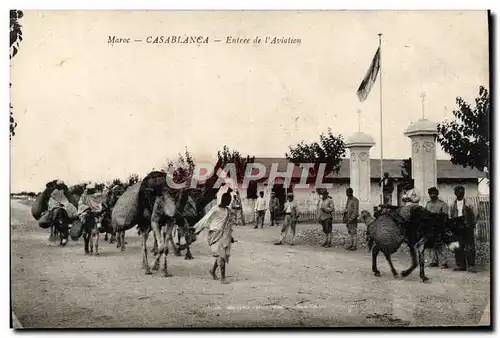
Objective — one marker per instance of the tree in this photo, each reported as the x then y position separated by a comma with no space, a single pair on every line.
16,37
329,150
133,179
467,139
233,156
182,170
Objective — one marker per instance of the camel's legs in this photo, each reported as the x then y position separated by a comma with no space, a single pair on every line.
154,250
122,240
156,265
169,227
171,241
145,263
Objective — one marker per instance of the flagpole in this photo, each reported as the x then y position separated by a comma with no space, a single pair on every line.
381,124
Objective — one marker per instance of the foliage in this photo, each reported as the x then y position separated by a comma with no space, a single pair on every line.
133,179
182,170
233,156
16,37
467,139
329,150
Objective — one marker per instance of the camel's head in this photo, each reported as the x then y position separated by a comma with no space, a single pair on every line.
366,217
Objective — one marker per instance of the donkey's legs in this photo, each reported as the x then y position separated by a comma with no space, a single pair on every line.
414,262
86,240
375,252
421,260
389,260
96,242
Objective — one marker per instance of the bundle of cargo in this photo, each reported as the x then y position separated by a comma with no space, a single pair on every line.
129,208
55,193
125,212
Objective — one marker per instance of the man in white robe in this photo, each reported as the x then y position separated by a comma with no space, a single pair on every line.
219,238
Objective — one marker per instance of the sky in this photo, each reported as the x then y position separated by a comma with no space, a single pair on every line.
87,110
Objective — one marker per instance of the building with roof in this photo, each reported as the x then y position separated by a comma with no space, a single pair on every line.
448,176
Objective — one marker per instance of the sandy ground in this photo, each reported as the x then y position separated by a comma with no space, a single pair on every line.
271,286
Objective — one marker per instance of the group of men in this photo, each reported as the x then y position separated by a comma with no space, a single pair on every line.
325,214
461,213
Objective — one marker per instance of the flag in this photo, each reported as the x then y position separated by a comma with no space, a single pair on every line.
370,77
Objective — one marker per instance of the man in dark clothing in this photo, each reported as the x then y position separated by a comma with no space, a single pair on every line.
274,208
387,184
465,222
351,214
440,210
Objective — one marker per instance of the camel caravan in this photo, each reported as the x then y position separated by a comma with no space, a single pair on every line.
149,205
152,206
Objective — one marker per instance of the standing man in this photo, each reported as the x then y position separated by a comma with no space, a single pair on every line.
387,184
291,212
237,209
465,222
260,210
219,237
274,208
440,211
351,214
325,217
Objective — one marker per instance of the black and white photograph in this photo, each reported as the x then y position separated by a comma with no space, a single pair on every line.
250,169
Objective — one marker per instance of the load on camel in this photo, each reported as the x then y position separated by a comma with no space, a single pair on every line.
412,224
56,208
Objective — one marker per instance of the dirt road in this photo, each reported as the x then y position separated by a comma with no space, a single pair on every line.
271,286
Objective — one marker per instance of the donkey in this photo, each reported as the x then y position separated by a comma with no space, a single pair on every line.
386,234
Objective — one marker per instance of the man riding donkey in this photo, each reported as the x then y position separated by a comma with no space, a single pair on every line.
60,211
89,211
